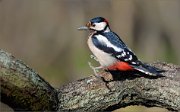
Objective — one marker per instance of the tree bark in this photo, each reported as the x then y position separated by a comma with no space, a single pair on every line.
23,89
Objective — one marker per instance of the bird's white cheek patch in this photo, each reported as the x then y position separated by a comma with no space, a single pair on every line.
99,26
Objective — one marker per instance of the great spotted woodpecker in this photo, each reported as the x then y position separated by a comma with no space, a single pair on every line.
111,52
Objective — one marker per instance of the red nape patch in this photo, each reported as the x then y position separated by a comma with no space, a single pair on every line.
105,20
121,66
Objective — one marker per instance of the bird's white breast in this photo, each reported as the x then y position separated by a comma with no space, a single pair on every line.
104,59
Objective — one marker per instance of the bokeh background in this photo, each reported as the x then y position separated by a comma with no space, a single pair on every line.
43,33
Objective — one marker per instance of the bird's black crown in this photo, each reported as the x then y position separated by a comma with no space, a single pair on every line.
98,20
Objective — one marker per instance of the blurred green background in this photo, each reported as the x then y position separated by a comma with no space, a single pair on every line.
43,33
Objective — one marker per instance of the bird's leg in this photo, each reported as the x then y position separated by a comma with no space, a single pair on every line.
94,57
95,69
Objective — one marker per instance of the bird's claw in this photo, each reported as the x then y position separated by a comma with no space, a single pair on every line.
95,69
94,57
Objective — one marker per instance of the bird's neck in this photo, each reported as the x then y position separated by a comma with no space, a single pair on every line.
107,29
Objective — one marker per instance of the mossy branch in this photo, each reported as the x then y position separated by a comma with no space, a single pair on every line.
23,89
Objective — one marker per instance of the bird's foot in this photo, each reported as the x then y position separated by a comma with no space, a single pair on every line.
95,70
94,57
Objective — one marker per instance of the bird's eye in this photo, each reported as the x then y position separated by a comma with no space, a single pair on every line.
93,25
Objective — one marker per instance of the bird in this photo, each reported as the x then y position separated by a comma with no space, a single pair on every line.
111,52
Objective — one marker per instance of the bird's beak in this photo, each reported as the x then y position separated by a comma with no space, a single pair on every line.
85,27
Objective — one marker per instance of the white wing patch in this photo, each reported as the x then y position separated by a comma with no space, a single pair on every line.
133,62
130,57
118,56
123,53
106,42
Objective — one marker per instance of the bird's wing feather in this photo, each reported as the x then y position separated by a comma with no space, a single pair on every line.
112,44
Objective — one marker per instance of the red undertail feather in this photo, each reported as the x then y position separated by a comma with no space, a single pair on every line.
122,66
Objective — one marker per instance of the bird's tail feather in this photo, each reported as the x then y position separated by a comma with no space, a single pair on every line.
149,70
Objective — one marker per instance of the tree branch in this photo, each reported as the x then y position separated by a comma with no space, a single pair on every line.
23,89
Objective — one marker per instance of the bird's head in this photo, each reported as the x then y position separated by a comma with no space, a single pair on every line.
97,24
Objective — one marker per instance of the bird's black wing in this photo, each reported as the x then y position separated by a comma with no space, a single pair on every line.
122,53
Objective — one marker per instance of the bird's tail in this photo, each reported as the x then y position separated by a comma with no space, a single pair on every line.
149,70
